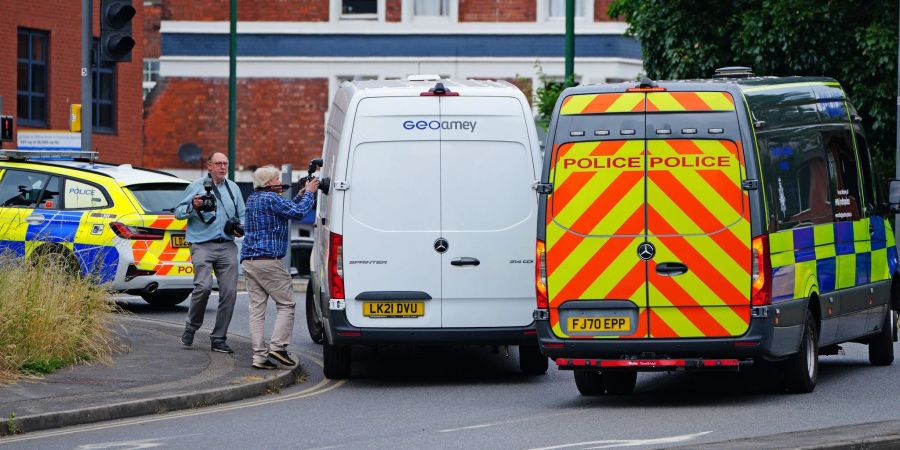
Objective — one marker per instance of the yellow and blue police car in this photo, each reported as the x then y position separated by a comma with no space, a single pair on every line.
111,222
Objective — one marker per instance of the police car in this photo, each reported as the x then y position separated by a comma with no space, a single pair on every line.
112,222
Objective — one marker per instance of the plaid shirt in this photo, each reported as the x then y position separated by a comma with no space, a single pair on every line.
266,225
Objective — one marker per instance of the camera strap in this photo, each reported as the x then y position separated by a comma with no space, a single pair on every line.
233,202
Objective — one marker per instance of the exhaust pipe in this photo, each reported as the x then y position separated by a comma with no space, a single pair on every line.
151,288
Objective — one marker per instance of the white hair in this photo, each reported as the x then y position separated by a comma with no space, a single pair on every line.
264,175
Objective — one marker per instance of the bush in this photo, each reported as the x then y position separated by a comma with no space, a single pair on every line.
50,318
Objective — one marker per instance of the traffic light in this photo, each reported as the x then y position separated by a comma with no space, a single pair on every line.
6,128
116,41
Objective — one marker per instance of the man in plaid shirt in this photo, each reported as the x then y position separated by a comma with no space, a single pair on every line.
265,244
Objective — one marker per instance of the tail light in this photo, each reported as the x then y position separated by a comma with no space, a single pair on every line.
336,266
761,291
540,275
136,233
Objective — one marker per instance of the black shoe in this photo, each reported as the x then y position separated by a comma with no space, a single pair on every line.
221,347
187,338
283,357
265,365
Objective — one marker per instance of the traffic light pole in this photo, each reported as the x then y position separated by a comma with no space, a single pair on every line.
232,88
87,41
570,44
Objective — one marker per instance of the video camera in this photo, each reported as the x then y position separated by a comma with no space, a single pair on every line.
207,200
314,165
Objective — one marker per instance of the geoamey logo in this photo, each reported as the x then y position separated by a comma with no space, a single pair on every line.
468,125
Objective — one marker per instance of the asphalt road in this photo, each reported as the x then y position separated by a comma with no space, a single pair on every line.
408,397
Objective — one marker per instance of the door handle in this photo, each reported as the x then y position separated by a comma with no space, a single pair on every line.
671,269
465,261
35,219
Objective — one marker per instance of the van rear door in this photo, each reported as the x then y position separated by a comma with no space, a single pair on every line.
392,273
488,212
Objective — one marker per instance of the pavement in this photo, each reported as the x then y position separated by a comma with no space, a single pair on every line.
155,375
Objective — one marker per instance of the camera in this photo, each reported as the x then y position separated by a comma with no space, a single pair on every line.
207,200
314,165
233,227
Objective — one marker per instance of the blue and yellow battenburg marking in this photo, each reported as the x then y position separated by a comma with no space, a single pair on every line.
829,257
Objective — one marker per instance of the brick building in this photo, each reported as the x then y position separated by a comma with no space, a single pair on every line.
40,57
293,54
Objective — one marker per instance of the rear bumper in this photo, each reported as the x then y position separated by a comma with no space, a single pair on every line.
340,331
763,339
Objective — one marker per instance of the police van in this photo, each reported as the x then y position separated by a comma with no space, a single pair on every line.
111,222
711,224
426,219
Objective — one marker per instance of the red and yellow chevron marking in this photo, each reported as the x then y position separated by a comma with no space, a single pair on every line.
689,101
160,256
602,103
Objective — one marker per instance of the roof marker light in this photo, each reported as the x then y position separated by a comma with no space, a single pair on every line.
601,132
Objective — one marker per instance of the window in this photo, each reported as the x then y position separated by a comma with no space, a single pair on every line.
869,179
151,75
557,9
363,9
158,198
26,189
82,195
797,179
32,75
438,8
844,178
103,114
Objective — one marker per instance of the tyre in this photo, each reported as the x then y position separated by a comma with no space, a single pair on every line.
619,383
881,347
589,382
336,360
313,324
531,360
55,257
166,298
802,369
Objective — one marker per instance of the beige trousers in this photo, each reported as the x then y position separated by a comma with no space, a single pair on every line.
269,278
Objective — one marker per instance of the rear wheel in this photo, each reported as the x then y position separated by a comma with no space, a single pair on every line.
802,369
313,325
619,383
589,382
336,359
881,347
531,360
54,257
167,298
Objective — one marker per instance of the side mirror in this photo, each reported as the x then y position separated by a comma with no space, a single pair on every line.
894,196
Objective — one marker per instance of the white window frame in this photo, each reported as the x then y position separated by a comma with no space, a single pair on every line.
408,13
543,12
336,14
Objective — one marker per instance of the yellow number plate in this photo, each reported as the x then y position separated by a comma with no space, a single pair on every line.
393,309
599,323
178,241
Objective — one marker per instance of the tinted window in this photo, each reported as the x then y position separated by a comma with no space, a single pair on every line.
868,178
82,195
158,198
796,180
50,197
844,175
23,189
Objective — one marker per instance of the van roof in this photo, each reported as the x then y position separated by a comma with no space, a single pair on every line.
746,85
402,88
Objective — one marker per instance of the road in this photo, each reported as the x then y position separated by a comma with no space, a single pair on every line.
473,398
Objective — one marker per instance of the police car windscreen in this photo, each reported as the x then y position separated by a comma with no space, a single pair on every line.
158,198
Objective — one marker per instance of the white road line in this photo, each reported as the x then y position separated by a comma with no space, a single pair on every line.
613,443
504,422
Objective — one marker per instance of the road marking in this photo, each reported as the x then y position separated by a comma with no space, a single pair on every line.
133,445
613,443
322,387
504,422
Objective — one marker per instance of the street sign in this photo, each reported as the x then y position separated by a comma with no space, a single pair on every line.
48,140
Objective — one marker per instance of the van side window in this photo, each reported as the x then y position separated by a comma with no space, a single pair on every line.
869,182
843,173
796,180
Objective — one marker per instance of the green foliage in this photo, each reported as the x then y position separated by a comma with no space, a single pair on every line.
546,94
853,41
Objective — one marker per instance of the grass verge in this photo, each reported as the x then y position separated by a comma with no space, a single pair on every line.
50,318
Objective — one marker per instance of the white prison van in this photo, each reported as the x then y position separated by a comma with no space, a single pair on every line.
426,219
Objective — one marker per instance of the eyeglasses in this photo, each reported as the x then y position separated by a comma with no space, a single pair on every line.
219,163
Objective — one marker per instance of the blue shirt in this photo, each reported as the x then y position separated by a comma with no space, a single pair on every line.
197,231
266,227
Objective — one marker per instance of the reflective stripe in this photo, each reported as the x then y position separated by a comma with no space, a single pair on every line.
602,103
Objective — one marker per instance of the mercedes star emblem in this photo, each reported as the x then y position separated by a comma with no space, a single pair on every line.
646,251
441,245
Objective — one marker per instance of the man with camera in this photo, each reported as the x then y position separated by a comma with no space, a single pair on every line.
213,207
265,245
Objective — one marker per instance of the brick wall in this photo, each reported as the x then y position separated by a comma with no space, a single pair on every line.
279,120
249,10
497,11
393,10
600,9
63,21
152,17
